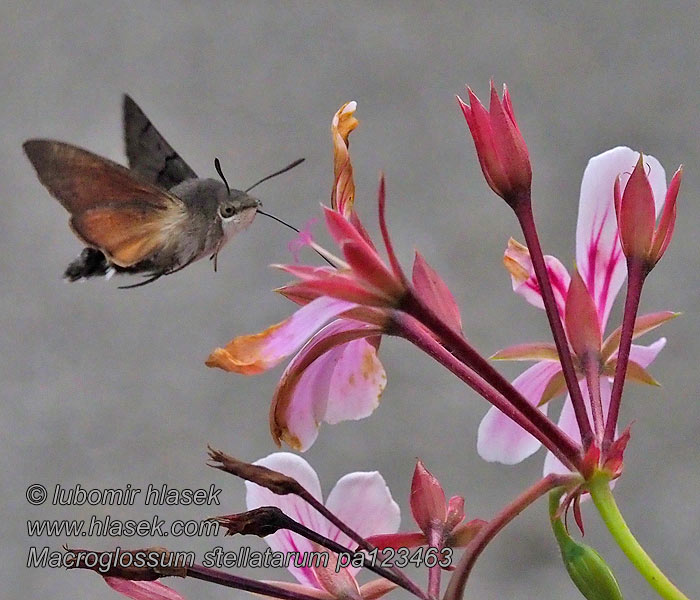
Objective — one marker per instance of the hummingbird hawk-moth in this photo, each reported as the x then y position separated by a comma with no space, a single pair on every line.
154,218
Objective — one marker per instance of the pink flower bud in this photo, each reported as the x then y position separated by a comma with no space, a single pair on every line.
500,146
428,503
636,216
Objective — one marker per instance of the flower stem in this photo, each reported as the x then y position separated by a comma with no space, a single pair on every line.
436,540
591,366
481,376
455,589
527,224
636,274
393,574
532,421
243,583
599,488
398,578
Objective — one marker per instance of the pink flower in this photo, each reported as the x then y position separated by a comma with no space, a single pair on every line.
335,375
361,500
362,277
584,302
500,146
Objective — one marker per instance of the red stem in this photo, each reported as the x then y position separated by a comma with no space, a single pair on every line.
591,366
435,540
399,577
523,212
455,589
515,406
636,274
292,525
243,583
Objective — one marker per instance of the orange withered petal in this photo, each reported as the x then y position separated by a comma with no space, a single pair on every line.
255,353
343,194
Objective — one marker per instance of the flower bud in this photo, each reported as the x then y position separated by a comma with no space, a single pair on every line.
587,569
500,147
639,236
262,521
589,572
277,483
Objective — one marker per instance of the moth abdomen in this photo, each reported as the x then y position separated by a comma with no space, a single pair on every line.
90,263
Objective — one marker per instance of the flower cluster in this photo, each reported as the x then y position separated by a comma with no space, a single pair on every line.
625,223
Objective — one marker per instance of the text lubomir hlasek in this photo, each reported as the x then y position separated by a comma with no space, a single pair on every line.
129,495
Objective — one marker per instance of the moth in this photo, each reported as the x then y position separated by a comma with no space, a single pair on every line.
155,217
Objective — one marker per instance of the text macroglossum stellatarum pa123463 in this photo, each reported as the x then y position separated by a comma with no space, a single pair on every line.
154,218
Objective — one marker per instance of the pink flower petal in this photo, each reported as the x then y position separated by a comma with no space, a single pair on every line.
431,288
306,272
343,231
517,260
642,325
336,377
337,580
598,253
363,501
499,438
645,355
534,351
357,382
368,267
343,286
142,590
581,319
251,354
292,506
303,238
567,422
393,260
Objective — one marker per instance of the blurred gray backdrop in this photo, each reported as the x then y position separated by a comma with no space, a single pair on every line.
105,387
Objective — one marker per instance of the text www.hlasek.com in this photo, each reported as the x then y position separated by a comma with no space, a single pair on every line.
108,527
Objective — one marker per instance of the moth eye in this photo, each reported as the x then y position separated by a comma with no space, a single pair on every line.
226,211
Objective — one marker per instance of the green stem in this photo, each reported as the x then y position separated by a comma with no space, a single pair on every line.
599,487
557,526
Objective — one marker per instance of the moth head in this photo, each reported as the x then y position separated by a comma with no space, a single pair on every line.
236,207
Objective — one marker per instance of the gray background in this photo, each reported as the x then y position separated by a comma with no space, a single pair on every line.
102,387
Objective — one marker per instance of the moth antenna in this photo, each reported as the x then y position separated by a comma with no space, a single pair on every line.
217,166
296,163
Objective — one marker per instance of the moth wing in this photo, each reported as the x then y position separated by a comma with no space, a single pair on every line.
126,234
111,209
148,152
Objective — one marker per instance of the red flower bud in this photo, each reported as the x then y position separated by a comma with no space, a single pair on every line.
500,146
